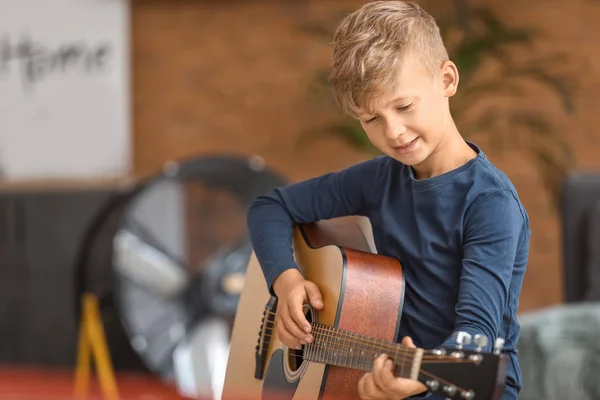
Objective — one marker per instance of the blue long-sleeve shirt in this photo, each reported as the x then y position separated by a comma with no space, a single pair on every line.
463,239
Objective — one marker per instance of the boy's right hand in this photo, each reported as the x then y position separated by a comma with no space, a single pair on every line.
293,291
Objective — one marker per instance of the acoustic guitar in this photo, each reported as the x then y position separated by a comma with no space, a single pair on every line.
363,294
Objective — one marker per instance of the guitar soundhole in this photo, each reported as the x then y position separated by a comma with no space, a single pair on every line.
296,357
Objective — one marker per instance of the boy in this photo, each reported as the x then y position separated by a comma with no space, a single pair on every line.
435,201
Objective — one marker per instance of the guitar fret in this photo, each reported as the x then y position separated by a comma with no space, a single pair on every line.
380,348
361,353
341,350
403,363
371,354
364,353
344,345
332,353
315,343
321,352
366,359
376,350
308,351
396,358
326,345
351,350
363,359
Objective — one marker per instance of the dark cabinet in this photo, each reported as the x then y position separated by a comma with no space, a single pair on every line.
40,234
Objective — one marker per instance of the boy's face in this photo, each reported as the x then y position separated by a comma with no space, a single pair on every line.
408,123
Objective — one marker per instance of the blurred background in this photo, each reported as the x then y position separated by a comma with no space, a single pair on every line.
133,134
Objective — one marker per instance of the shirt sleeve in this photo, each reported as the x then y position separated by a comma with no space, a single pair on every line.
272,216
493,230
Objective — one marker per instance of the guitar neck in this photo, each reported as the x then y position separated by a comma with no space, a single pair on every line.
352,350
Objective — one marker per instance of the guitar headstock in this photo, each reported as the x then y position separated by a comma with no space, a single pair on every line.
460,374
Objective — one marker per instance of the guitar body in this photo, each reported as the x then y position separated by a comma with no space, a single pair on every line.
362,292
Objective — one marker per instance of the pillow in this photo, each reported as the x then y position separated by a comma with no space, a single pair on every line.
559,352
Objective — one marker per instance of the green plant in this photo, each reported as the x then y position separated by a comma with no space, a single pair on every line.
492,104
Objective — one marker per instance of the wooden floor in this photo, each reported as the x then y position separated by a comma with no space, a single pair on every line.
18,383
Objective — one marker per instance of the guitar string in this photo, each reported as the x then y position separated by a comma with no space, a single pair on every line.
421,371
432,360
395,347
377,345
349,351
403,364
353,336
429,359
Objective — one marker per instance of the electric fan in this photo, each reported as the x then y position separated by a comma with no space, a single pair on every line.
167,260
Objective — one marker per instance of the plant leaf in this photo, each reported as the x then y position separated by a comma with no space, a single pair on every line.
553,172
349,131
490,41
316,29
563,87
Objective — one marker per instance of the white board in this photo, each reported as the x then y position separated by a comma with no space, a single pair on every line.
64,89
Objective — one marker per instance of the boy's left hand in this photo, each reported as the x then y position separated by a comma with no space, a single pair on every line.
381,383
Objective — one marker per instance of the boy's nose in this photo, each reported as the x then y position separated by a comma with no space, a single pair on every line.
394,131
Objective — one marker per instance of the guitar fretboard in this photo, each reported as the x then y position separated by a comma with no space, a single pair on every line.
351,350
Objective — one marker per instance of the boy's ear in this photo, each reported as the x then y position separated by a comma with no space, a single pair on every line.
449,78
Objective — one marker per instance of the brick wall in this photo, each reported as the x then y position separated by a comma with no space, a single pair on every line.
231,76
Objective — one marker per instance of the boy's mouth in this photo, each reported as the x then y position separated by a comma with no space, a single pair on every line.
405,145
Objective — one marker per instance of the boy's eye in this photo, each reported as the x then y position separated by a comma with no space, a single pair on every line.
403,108
406,107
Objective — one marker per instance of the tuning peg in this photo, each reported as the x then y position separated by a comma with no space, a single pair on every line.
462,338
498,345
480,341
450,390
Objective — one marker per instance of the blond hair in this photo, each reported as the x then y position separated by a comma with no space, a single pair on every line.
371,44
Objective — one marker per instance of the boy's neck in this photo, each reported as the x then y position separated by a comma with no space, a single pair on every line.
450,154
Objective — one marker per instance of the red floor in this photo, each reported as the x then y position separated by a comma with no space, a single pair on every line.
18,383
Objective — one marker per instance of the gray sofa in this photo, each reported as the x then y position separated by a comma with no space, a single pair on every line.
559,349
559,353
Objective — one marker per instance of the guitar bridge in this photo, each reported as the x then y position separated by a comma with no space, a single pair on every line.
267,327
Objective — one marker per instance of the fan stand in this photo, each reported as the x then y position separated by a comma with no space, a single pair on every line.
92,344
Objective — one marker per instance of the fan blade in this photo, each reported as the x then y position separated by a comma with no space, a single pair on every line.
148,267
